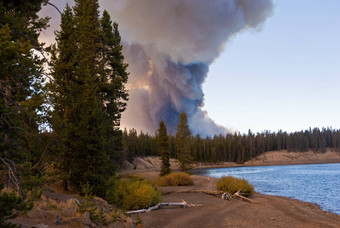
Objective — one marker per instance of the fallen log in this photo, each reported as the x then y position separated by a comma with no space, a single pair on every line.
237,195
224,195
160,205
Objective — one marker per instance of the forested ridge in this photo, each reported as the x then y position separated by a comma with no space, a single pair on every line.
235,147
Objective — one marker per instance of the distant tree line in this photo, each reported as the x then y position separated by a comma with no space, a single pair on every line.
235,147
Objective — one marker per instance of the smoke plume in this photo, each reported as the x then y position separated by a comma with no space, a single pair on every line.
169,45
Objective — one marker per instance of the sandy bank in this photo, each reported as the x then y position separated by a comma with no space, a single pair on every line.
291,158
271,211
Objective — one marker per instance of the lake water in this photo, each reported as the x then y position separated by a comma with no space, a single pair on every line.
319,183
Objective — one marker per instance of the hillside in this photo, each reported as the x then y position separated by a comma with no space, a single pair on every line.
290,158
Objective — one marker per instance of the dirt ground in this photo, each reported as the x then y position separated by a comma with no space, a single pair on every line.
271,211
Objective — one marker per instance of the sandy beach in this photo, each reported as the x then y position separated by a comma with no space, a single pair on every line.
268,211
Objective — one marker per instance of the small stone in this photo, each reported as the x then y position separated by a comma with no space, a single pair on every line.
69,212
59,220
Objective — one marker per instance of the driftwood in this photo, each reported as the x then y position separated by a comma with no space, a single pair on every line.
209,192
237,195
160,205
226,196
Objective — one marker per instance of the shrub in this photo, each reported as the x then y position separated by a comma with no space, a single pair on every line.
10,205
232,184
175,179
132,193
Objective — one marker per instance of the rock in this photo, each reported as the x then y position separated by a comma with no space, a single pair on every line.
69,212
35,214
102,204
41,226
72,203
86,219
59,220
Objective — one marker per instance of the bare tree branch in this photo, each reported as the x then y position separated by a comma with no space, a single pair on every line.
48,3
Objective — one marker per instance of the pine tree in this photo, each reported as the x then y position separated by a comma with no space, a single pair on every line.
89,125
21,94
62,92
113,77
183,143
88,95
115,73
163,148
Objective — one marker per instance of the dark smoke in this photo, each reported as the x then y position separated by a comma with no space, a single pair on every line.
169,45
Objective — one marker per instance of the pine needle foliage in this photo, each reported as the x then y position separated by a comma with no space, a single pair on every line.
88,95
163,149
21,106
183,135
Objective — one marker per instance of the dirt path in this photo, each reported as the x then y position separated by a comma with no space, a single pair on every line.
272,211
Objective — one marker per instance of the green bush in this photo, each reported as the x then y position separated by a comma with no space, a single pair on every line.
10,206
175,179
132,193
232,184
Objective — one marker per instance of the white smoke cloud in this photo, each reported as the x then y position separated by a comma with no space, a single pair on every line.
169,46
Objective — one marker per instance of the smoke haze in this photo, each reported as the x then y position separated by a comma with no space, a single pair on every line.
169,46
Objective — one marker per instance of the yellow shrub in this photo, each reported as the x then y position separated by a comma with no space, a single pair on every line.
132,194
175,179
232,184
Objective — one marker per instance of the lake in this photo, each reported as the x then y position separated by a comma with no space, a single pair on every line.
317,183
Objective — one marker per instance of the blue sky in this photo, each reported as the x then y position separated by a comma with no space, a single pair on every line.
283,76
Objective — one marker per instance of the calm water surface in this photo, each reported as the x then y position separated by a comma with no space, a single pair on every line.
318,183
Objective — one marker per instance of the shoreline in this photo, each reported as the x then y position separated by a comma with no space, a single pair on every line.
275,195
270,211
212,166
278,158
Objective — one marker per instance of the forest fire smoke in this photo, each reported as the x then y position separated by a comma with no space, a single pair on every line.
169,46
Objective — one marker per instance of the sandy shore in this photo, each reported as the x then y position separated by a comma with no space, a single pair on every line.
271,211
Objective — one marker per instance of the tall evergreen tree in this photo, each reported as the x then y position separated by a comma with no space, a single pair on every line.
62,94
163,148
21,95
88,94
183,135
114,75
89,125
